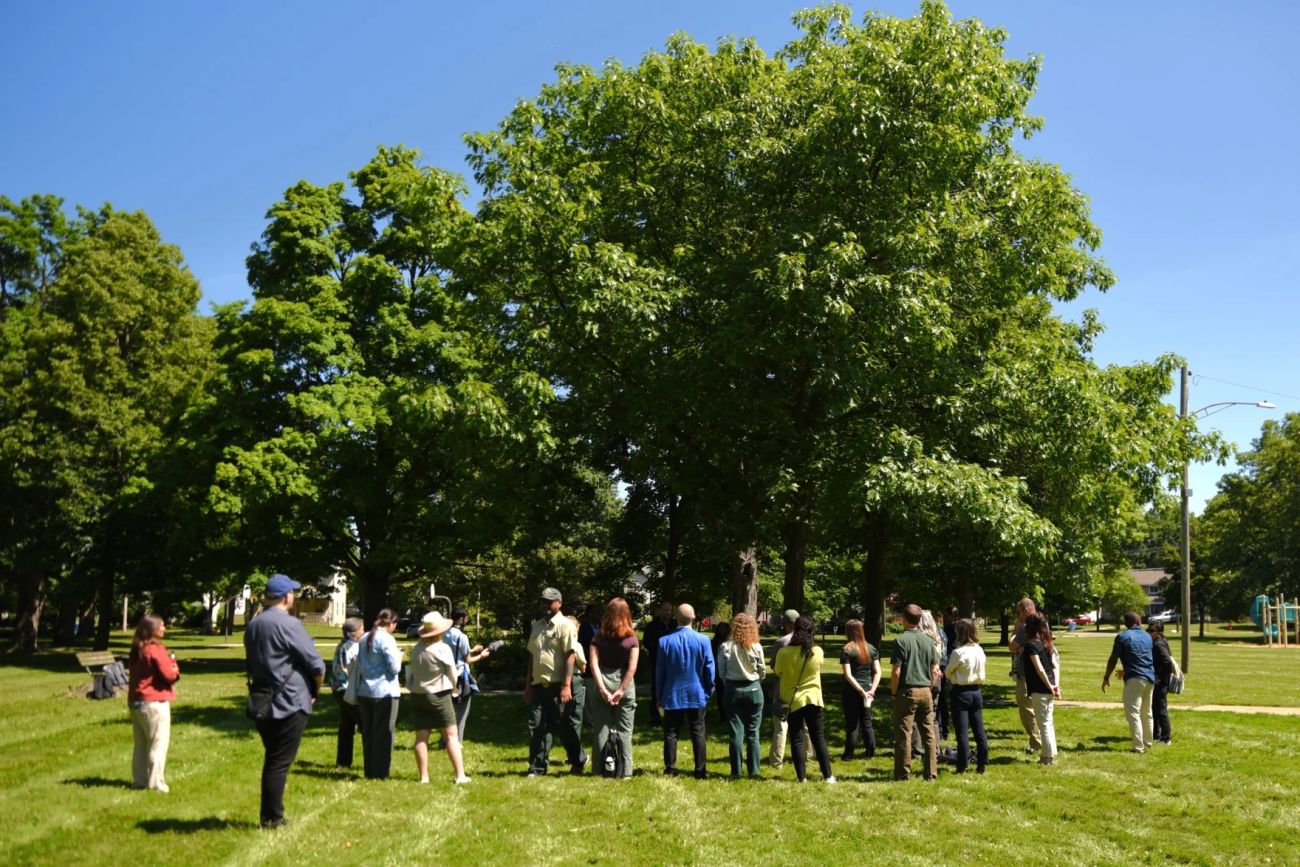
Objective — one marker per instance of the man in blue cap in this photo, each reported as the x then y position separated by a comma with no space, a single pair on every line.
284,678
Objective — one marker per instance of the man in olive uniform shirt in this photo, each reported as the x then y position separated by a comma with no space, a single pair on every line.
915,669
552,651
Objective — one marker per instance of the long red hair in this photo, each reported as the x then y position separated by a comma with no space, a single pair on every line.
617,622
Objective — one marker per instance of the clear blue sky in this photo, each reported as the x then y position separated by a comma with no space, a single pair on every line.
1180,120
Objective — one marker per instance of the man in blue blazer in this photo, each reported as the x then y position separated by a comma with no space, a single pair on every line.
684,682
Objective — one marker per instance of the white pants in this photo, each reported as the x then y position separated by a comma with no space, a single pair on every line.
1137,707
153,732
1043,703
776,753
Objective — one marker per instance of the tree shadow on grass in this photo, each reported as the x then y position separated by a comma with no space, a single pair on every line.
97,783
193,826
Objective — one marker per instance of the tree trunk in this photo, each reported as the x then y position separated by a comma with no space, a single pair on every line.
1004,621
965,596
744,582
375,592
873,588
796,533
31,602
107,610
1200,616
672,558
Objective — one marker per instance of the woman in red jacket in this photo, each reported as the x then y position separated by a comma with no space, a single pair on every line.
153,672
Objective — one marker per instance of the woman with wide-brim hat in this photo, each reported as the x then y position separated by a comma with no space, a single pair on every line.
431,677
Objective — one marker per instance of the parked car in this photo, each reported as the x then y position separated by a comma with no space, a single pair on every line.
1167,616
1081,619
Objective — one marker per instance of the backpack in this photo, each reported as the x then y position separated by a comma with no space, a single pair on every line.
107,684
612,761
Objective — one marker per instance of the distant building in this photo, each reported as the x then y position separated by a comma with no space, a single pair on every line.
1149,580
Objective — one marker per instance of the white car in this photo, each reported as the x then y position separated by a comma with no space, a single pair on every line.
1168,616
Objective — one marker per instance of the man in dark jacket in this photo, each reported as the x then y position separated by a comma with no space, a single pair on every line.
281,661
659,626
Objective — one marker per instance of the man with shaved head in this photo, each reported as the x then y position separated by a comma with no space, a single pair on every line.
684,677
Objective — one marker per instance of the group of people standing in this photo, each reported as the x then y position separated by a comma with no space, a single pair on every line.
587,672
365,680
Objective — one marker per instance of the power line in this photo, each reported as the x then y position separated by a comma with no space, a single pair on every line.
1200,376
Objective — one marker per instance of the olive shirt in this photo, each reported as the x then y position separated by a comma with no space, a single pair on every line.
801,677
550,642
862,671
917,655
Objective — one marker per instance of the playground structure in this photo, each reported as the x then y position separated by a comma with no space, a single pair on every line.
1276,618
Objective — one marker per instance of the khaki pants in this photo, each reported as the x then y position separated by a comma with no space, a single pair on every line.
1137,707
152,722
1025,705
914,706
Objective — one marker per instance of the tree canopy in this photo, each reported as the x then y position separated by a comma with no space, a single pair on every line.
719,315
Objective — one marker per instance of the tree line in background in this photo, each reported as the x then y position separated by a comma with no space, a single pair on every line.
772,331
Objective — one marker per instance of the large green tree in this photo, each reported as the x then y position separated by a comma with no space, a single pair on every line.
804,297
103,355
1250,531
371,413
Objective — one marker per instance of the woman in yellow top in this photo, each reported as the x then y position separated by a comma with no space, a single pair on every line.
799,666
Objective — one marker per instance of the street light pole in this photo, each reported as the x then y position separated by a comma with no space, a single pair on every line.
1185,621
1186,604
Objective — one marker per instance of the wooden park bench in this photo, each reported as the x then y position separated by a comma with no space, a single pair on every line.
94,661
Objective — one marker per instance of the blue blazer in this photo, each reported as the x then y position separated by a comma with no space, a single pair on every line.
684,672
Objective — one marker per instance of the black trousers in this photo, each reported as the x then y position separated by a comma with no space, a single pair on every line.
942,705
548,716
808,717
673,719
857,724
967,704
1160,711
378,722
349,725
280,739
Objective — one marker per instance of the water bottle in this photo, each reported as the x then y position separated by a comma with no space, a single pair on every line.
609,766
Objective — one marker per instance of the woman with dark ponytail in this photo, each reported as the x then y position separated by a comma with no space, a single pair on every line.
378,691
150,694
1039,662
799,666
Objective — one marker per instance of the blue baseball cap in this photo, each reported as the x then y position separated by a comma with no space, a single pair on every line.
278,586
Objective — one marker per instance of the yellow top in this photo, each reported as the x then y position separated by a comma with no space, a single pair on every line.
801,676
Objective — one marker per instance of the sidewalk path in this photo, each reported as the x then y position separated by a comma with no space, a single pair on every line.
1224,708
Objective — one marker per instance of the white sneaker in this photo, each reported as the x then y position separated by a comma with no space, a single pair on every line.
460,781
830,780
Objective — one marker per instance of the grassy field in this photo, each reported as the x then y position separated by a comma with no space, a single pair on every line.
1224,792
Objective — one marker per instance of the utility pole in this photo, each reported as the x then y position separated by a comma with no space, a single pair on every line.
1186,605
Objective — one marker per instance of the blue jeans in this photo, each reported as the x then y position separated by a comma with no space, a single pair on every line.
744,705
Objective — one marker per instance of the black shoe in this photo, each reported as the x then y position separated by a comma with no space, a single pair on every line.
670,772
272,824
579,766
701,775
979,769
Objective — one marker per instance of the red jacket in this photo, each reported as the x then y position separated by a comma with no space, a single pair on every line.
152,674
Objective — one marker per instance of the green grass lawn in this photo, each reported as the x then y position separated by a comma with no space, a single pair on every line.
1224,792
